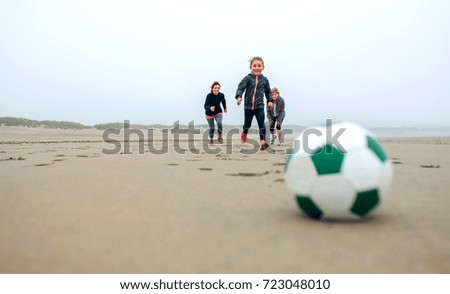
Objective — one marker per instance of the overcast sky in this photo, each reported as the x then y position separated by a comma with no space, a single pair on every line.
376,63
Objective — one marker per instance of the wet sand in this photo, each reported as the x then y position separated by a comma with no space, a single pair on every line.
66,207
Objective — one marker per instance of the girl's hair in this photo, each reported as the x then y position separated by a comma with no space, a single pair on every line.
275,90
215,83
256,58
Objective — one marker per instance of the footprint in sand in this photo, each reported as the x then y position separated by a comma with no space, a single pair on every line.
194,151
12,158
396,160
430,166
279,164
249,151
222,157
249,174
173,164
229,158
205,168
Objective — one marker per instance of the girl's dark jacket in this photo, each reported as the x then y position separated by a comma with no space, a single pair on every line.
279,104
248,85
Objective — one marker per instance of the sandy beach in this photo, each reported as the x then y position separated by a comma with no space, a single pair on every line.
66,207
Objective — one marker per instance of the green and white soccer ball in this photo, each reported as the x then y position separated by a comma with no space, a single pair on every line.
345,178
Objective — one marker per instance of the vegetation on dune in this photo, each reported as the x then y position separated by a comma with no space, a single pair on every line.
120,125
23,122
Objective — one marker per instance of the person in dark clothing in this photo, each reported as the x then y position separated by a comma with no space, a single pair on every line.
275,115
255,85
213,111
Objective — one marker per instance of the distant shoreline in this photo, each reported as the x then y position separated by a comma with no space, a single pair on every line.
35,126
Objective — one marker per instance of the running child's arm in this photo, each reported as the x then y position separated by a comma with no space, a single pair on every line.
269,113
241,88
206,106
224,103
282,112
268,92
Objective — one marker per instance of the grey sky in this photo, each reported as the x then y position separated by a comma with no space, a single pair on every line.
376,63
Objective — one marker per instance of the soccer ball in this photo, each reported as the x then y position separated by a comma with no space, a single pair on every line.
338,172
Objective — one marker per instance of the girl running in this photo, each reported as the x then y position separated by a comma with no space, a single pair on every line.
275,115
255,85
